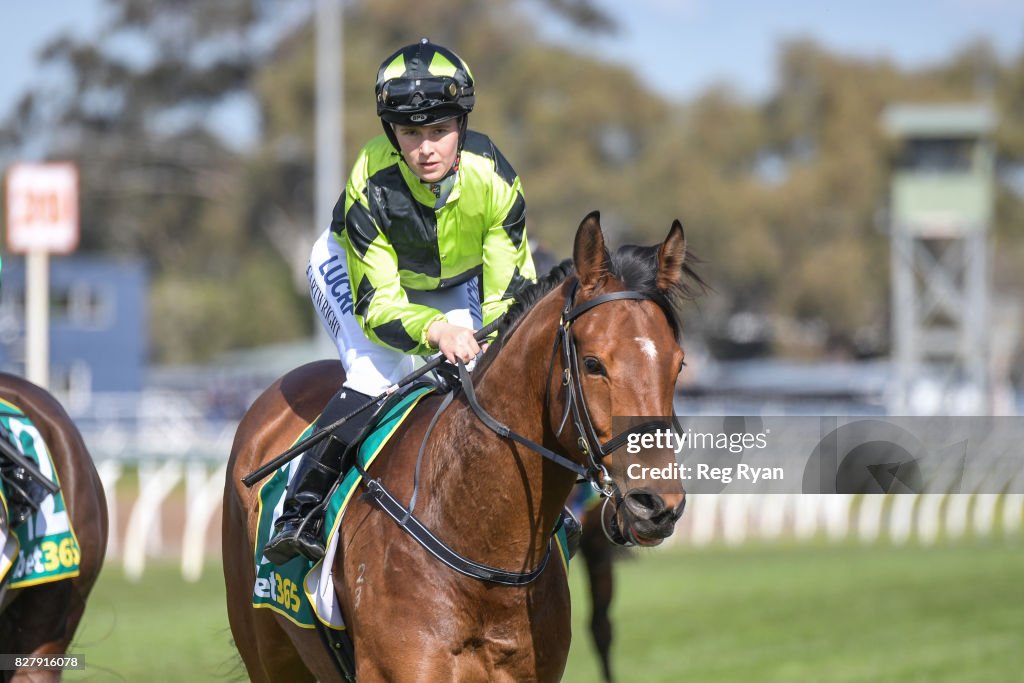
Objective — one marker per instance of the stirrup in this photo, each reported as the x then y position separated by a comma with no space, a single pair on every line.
291,539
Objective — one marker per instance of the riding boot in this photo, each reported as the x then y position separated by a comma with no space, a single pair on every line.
297,530
573,531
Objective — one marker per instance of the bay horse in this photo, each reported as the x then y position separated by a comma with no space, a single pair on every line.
486,494
41,620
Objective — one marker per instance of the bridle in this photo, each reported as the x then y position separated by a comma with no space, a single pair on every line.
587,441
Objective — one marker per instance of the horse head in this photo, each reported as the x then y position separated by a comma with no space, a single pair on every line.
620,335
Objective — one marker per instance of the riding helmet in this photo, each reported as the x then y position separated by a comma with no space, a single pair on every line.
423,84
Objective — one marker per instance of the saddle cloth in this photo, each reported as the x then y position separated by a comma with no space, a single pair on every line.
44,548
300,589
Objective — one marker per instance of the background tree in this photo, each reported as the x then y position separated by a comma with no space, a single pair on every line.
783,198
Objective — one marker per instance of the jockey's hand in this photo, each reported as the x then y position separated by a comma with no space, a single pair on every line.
454,341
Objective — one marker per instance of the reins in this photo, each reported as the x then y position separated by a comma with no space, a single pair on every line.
302,445
589,443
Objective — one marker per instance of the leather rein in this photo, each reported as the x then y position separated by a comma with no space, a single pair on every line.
588,442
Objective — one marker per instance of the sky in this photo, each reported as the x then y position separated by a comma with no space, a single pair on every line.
26,27
680,47
683,46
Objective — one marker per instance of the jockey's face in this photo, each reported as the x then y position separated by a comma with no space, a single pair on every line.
430,151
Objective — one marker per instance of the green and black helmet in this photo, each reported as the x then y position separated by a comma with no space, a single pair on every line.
423,84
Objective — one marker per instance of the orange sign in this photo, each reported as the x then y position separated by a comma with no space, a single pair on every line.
42,208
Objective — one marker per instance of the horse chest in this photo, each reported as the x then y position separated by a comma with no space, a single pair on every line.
510,639
466,629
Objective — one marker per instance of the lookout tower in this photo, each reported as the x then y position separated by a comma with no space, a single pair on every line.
942,198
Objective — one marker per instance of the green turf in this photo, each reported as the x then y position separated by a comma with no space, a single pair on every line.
801,613
814,613
159,629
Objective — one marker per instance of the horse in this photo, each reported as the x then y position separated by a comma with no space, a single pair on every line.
596,339
41,620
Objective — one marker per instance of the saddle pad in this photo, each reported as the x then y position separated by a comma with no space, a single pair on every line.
281,588
44,548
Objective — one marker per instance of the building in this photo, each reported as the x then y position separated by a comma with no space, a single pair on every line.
98,339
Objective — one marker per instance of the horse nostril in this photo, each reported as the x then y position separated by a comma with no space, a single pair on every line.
645,505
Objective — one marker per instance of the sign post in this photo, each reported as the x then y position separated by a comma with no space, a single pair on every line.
42,219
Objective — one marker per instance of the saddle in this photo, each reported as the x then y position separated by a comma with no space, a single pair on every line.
281,588
371,421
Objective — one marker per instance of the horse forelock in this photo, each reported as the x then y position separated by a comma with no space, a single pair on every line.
637,268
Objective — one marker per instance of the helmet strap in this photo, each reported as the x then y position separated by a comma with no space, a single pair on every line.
389,130
463,127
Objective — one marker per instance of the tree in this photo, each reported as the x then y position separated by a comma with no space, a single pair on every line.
780,197
220,227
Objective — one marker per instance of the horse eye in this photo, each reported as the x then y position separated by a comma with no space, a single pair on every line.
593,366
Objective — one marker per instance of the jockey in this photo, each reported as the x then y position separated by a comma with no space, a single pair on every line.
431,210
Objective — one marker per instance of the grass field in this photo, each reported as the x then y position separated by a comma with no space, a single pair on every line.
761,613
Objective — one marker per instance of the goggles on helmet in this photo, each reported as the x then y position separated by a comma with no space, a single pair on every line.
399,93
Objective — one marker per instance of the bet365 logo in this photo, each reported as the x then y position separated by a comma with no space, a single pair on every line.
280,589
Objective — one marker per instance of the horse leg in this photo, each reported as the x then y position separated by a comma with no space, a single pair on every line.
265,648
40,621
597,552
269,645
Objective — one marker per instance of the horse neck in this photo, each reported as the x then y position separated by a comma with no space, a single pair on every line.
492,498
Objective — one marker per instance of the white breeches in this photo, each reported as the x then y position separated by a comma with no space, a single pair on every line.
369,367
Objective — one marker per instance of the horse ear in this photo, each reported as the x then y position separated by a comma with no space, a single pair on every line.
589,252
671,255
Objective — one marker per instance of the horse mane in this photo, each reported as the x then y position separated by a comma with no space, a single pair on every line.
635,266
529,295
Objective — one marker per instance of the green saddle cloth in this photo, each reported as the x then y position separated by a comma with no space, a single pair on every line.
280,588
43,548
